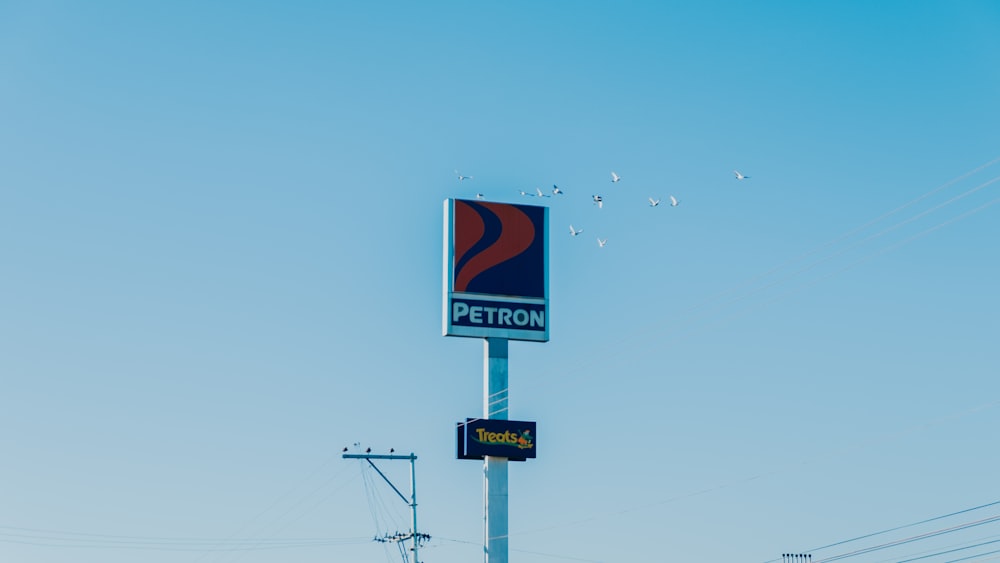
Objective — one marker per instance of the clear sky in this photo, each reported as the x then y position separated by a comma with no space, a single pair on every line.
220,263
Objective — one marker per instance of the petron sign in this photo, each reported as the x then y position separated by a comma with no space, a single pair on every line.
496,276
480,437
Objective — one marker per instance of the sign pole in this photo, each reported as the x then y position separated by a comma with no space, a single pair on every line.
496,287
495,468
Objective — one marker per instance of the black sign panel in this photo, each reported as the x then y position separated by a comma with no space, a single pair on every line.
512,439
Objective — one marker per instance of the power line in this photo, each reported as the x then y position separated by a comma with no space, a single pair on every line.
90,535
696,314
55,538
910,539
870,223
540,554
275,523
977,556
897,528
945,552
850,266
784,469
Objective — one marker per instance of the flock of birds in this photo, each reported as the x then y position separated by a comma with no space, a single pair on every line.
597,199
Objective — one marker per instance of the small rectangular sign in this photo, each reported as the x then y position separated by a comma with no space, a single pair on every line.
512,439
496,270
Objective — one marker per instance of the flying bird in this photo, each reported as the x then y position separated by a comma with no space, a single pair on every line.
461,177
601,242
599,201
674,202
541,193
739,175
522,192
480,196
556,190
574,232
653,202
615,177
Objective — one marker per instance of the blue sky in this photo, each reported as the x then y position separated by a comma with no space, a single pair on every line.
220,262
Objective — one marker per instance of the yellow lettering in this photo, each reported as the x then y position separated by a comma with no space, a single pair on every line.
507,437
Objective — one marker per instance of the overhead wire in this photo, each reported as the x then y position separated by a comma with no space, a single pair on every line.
285,519
978,555
66,539
385,516
946,552
390,508
894,529
757,306
864,226
202,549
689,323
526,551
877,235
938,548
692,313
370,496
218,547
785,468
275,523
910,539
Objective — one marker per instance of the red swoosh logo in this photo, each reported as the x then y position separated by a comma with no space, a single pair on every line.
516,235
470,225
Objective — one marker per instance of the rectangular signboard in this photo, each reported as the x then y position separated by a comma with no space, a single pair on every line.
512,439
496,274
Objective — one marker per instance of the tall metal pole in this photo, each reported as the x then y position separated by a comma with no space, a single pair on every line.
495,468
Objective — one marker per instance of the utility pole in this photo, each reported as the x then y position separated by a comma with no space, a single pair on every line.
413,534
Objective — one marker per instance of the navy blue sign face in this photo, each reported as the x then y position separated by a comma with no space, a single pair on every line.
512,439
499,249
496,270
